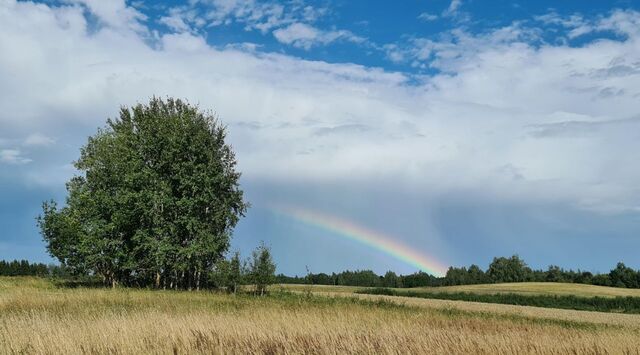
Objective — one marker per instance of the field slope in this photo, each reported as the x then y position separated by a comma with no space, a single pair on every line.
539,288
524,288
37,317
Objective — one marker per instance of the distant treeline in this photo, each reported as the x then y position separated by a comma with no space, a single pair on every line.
228,274
25,268
500,270
363,278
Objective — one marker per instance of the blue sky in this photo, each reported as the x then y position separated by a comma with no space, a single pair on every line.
461,129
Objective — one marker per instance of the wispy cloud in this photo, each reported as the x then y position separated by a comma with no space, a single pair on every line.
115,14
425,16
290,23
621,22
305,36
453,8
13,156
38,139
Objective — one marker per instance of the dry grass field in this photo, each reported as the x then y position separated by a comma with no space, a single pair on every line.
38,318
524,288
317,288
539,288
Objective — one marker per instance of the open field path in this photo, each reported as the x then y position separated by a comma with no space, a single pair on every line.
605,318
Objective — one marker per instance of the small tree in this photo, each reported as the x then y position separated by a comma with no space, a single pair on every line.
235,273
262,268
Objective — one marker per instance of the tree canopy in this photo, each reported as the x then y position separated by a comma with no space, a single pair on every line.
156,200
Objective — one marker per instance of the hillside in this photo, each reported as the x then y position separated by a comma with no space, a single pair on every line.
41,317
525,288
538,288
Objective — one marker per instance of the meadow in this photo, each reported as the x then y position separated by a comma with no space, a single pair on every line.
539,288
522,288
40,317
592,303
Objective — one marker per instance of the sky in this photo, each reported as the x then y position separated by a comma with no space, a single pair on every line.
370,135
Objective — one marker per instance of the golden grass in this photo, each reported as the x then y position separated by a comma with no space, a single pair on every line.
538,288
317,288
41,319
525,288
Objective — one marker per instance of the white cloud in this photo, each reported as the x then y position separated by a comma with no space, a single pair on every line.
38,139
425,16
13,156
505,117
175,22
453,8
394,53
260,15
290,23
304,36
621,22
115,13
455,47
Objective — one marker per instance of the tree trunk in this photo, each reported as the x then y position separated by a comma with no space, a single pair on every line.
157,279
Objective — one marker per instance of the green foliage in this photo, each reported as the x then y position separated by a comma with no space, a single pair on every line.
464,276
156,201
501,270
235,273
23,268
511,269
600,304
228,273
623,276
390,279
262,269
421,279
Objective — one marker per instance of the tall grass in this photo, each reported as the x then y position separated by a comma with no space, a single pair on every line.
43,319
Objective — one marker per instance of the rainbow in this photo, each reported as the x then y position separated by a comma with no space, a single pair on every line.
355,232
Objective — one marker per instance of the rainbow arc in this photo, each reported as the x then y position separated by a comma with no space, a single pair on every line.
363,235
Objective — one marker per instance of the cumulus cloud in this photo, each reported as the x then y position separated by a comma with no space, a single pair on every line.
505,115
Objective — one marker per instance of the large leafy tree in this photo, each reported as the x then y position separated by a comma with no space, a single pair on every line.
511,269
155,202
